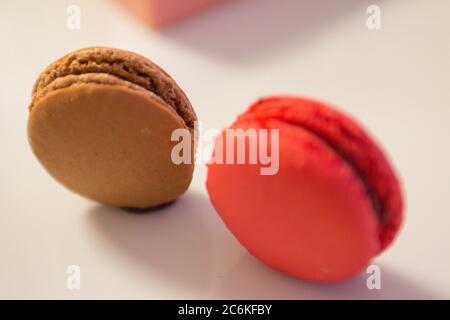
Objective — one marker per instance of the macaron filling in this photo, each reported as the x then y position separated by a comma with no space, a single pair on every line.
377,202
124,65
86,78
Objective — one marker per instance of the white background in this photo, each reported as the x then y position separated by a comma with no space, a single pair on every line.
396,81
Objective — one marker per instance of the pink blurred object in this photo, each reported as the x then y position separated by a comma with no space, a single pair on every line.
158,13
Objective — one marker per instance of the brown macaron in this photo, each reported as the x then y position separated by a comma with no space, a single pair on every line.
101,121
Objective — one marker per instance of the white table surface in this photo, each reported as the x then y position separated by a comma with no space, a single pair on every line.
395,80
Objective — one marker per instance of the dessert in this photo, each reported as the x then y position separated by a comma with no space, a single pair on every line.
334,203
100,122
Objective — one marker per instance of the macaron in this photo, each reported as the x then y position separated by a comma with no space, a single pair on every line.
334,203
100,122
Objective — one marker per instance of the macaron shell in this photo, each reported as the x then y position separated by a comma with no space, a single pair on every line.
110,143
313,219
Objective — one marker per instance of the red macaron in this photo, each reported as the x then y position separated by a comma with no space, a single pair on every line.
334,203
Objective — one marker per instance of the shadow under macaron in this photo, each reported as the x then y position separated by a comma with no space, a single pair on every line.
250,279
171,240
148,210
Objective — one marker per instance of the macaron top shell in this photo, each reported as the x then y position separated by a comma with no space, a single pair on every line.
122,64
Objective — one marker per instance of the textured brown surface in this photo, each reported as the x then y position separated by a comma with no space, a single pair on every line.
125,65
107,138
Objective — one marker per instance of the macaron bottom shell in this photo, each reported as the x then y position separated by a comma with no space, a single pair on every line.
109,142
